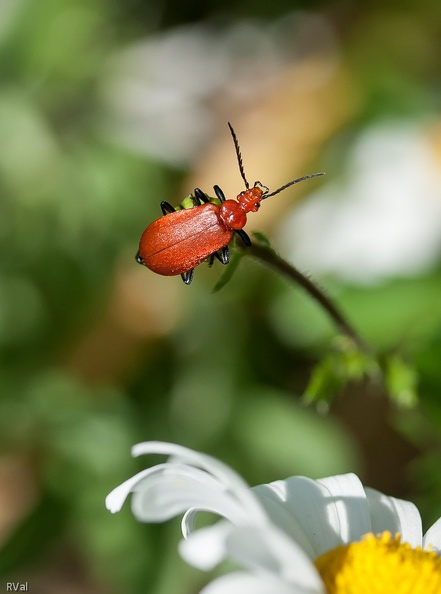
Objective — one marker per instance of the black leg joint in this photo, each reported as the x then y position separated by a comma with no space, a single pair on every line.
244,237
187,277
223,255
200,196
219,193
167,208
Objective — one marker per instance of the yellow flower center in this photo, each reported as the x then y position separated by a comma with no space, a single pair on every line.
380,564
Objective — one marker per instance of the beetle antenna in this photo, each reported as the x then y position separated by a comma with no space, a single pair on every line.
239,156
291,183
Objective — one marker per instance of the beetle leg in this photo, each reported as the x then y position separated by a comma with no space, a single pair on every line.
244,237
200,196
219,193
138,258
187,277
223,255
167,208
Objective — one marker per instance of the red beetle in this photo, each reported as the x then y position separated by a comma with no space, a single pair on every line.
181,240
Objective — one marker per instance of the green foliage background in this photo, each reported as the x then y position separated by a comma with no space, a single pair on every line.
216,372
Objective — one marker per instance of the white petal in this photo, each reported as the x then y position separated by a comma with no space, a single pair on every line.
330,511
348,510
230,480
163,491
173,488
396,515
189,481
270,549
247,583
274,499
432,538
116,497
206,548
265,549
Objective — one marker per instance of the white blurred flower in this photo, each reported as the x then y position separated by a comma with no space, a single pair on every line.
296,536
163,93
385,221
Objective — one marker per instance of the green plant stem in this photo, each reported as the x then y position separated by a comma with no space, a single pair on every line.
267,255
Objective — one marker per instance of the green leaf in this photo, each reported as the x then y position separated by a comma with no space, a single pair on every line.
401,381
227,274
345,363
262,239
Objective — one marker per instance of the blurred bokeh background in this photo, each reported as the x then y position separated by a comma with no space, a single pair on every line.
107,108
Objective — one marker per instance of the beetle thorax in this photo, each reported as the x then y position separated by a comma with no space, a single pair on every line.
233,215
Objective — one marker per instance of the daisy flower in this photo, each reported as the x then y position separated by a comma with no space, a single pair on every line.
293,536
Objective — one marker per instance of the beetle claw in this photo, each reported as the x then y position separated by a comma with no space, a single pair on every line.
167,208
187,277
219,193
223,255
200,196
139,259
